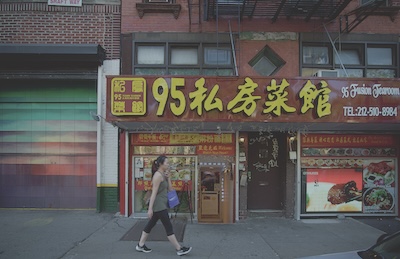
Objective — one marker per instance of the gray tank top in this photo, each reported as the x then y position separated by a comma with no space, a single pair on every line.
161,201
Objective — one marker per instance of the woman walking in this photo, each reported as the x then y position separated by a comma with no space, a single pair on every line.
158,207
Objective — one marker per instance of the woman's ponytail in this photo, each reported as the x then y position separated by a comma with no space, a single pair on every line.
157,163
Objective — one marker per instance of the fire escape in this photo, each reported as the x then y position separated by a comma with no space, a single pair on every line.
352,19
273,9
323,10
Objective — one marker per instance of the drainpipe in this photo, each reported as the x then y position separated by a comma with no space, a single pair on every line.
99,132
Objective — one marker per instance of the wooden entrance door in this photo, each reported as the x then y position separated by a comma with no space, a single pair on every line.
267,164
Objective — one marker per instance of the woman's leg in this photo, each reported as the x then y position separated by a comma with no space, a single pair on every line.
168,228
147,229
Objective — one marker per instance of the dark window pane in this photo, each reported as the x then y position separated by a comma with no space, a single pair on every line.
379,56
214,56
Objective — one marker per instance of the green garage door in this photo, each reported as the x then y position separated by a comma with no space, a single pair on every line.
47,144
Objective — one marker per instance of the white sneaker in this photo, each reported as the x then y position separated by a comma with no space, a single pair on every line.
143,249
184,250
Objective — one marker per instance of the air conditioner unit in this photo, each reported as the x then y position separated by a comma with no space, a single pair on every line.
327,73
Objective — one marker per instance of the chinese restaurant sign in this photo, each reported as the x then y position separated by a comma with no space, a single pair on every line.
181,139
335,140
252,99
206,143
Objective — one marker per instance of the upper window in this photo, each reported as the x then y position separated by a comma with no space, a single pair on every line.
184,56
358,60
315,55
150,55
217,56
348,57
189,59
380,56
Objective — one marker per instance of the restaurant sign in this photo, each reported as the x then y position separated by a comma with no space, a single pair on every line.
205,143
252,99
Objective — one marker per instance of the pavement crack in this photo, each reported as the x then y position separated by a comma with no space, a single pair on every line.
83,240
116,222
266,242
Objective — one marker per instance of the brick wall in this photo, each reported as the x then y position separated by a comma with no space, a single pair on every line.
156,22
38,23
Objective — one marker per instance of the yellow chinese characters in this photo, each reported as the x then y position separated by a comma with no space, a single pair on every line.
201,100
313,97
277,98
128,96
244,101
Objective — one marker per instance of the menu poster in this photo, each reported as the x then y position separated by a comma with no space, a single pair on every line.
379,177
333,190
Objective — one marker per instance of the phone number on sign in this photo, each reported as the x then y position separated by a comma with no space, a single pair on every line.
369,111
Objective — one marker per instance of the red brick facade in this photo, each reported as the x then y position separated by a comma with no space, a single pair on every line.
247,48
156,22
38,23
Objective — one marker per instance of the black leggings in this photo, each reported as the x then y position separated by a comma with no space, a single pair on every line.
163,215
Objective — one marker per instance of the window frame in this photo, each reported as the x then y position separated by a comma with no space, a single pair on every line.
136,51
362,46
182,46
167,66
270,55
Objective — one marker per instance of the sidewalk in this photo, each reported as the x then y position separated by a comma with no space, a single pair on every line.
86,234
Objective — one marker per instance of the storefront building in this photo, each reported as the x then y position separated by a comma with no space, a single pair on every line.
265,108
54,55
228,134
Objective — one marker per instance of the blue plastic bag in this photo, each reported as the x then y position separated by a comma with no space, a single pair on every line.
173,199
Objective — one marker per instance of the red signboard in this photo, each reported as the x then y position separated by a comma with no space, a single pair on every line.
225,150
339,140
255,99
181,139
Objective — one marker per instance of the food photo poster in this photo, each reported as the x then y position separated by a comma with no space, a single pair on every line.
366,189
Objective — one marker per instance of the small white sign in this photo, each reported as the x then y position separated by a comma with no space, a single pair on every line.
139,162
65,2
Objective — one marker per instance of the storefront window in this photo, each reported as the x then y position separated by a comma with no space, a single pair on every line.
182,170
173,150
348,174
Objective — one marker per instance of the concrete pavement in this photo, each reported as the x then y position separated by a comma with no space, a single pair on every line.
86,234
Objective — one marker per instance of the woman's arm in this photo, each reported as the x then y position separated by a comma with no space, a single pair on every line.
157,178
170,188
